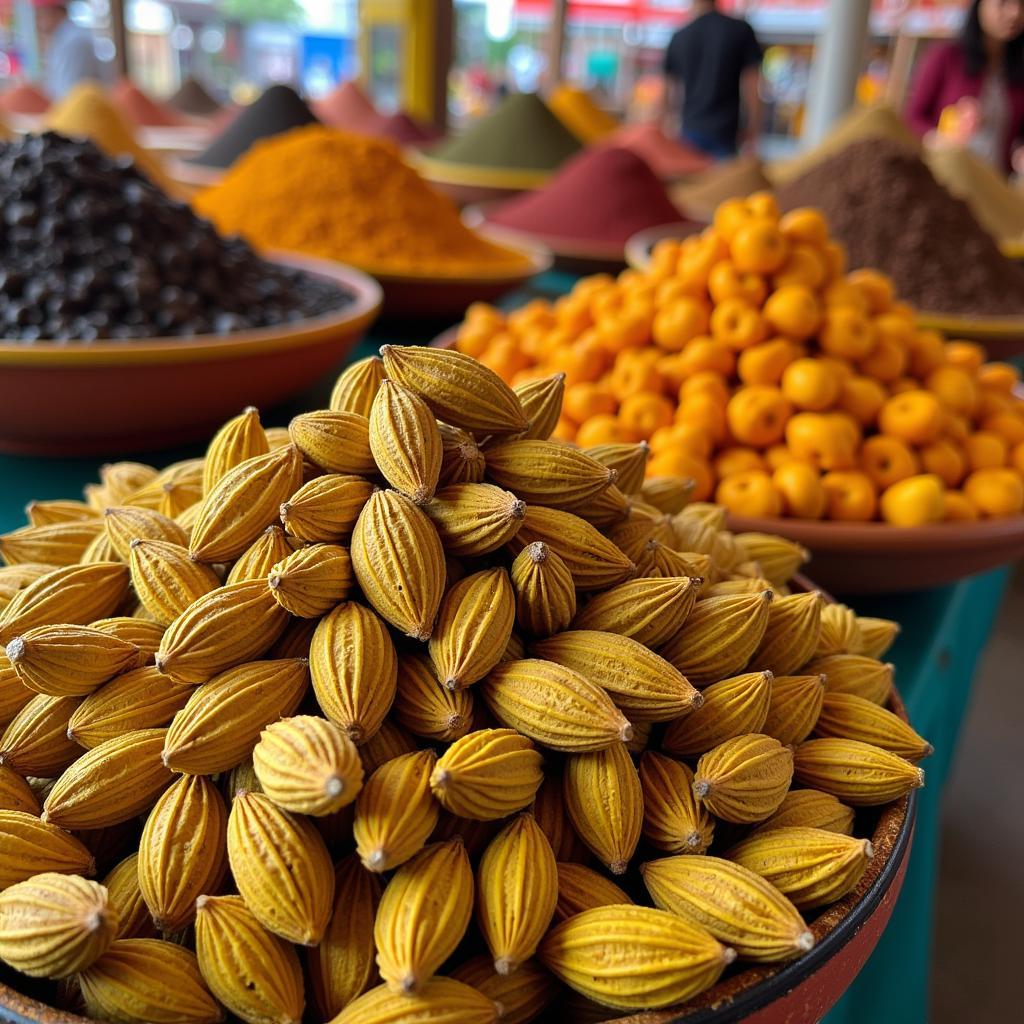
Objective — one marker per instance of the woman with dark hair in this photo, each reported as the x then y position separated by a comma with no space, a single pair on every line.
980,76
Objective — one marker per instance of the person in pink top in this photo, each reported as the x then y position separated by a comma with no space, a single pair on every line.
980,76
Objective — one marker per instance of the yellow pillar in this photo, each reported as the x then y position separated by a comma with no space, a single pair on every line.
405,49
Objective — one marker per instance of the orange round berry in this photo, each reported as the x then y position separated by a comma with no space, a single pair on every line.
645,412
995,492
582,401
955,388
876,288
886,361
749,494
914,416
1017,458
730,216
763,204
726,282
887,460
946,460
1008,425
738,459
758,247
847,333
678,323
811,384
862,398
684,437
705,412
706,382
603,429
851,496
805,224
986,450
821,441
704,354
916,501
765,363
800,487
956,508
676,462
793,311
927,353
968,355
757,415
737,324
806,265
999,376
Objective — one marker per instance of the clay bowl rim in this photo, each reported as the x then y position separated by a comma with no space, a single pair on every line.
356,316
994,328
639,246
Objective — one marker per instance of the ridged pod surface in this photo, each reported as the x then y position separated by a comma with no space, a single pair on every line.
144,633
15,793
876,635
674,820
166,579
474,519
737,906
76,594
243,504
125,898
650,611
395,812
252,972
473,627
462,461
554,706
548,809
39,513
32,845
605,804
794,707
241,438
547,472
399,563
857,773
425,707
745,779
260,556
634,958
281,867
325,509
810,808
669,494
354,667
594,561
517,888
120,479
541,399
111,783
522,996
405,441
628,460
182,854
388,742
356,386
849,717
36,740
644,686
439,1001
126,523
16,577
581,888
148,980
792,634
311,581
226,627
423,914
69,661
840,631
308,765
868,678
56,544
343,967
338,442
460,390
141,699
221,723
14,694
719,637
55,925
810,866
732,707
174,489
779,558
659,561
545,595
487,774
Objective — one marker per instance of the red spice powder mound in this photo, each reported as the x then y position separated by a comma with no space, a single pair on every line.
141,109
24,98
349,108
605,194
406,130
667,158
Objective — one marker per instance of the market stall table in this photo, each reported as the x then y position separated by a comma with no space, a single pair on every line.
944,633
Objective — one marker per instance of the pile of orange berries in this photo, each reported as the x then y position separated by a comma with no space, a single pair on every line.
751,360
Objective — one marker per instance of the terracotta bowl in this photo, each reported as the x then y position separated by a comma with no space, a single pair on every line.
1002,336
638,248
88,398
872,558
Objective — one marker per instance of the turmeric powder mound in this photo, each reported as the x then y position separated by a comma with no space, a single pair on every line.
580,114
326,193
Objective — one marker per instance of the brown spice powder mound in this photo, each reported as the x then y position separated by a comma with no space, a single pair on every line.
884,205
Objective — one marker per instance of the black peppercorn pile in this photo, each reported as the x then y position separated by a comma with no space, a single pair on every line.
90,250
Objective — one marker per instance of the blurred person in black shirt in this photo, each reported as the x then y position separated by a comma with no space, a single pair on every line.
714,62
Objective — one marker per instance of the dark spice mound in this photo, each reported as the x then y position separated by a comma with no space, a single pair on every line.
90,249
884,205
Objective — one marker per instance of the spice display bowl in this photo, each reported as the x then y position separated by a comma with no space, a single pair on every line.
574,255
445,296
1002,336
874,558
640,246
68,398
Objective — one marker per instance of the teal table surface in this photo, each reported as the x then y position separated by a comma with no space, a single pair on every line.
944,633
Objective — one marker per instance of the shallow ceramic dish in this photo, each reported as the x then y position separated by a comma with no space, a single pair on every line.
639,247
84,398
1002,336
874,558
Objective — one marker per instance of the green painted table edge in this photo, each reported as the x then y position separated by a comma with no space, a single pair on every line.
933,673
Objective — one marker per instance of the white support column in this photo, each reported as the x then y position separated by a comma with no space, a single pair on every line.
838,59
